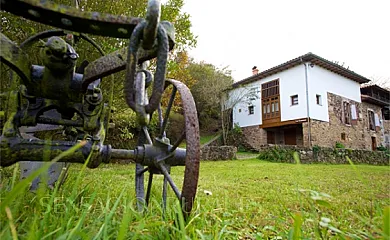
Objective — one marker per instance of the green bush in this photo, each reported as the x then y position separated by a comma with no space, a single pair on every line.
176,125
339,145
125,133
277,154
236,129
316,148
383,149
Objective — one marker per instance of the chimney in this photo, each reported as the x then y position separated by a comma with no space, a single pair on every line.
255,70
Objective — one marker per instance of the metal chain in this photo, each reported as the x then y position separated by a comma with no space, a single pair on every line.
136,82
141,96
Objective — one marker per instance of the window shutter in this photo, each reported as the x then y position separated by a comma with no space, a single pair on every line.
354,114
377,123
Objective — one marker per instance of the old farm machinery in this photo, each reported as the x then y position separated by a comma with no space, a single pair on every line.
55,95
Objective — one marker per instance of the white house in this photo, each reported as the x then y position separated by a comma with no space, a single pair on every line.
305,101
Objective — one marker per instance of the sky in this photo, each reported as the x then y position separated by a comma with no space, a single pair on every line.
246,33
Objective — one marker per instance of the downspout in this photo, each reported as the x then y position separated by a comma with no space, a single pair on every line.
307,104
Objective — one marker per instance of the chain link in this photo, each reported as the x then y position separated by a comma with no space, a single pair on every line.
137,77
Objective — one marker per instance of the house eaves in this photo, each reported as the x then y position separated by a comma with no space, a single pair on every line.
309,57
381,100
375,101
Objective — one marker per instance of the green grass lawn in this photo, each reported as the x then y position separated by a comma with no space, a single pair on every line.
251,199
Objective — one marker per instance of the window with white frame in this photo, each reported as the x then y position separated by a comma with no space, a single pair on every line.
294,100
318,99
251,110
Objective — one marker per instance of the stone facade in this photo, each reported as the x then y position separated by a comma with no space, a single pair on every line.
218,153
354,136
253,137
386,133
289,154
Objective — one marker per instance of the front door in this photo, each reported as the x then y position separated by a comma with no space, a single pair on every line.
373,143
290,136
270,137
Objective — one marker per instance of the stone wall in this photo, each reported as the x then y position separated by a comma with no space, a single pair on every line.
252,138
386,133
386,126
323,155
357,136
218,153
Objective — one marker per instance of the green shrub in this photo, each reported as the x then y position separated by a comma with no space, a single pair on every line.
125,133
316,148
339,145
236,129
241,148
381,148
176,124
277,154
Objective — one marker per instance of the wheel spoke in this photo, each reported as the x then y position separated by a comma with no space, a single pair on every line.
170,103
147,136
170,180
164,192
160,120
139,187
177,143
142,171
149,189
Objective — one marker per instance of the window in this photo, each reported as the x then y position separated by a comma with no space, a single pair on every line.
239,110
318,99
270,89
294,100
342,136
346,115
251,110
371,120
270,99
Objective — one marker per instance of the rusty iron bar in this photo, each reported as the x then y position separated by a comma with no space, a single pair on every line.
71,18
52,121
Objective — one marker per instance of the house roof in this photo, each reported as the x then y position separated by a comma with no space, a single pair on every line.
374,86
309,57
373,100
381,100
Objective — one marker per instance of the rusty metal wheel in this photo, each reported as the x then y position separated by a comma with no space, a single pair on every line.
190,133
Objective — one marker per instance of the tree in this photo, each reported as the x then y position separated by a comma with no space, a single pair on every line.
230,98
382,82
18,29
210,81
